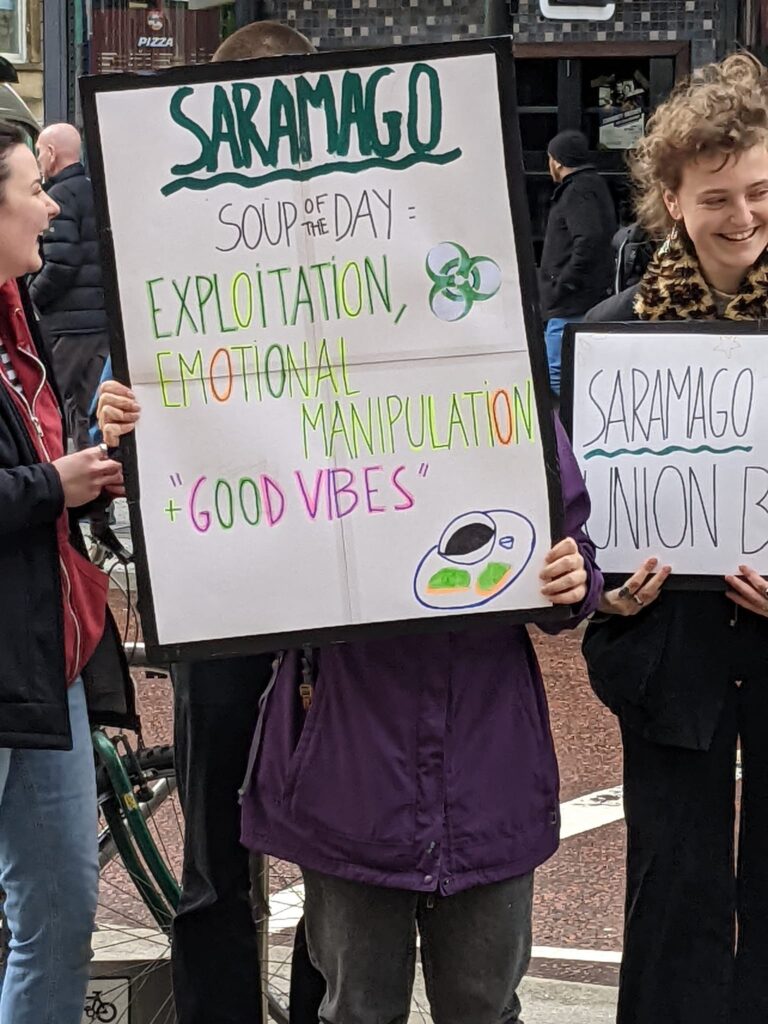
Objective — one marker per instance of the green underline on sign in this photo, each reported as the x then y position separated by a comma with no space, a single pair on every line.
291,174
600,453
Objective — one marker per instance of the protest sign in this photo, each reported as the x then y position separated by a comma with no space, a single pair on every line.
669,424
321,285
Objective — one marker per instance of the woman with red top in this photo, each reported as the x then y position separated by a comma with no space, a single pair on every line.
59,655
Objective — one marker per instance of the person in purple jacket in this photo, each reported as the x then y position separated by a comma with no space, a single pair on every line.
415,782
419,791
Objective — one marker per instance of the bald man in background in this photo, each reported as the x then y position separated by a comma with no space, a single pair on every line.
69,293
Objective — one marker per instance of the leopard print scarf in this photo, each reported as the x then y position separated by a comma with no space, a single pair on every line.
673,288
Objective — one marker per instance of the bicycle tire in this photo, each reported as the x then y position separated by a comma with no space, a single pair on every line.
107,1013
123,788
153,900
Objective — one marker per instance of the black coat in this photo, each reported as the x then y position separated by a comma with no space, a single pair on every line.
618,309
69,290
666,671
577,262
33,687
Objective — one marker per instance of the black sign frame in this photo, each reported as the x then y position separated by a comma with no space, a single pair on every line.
501,47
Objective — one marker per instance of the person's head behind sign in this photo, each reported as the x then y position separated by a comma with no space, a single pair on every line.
702,170
263,39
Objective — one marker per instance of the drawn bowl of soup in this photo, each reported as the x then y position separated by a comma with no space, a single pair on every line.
469,539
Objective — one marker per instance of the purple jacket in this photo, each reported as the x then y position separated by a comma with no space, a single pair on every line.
424,762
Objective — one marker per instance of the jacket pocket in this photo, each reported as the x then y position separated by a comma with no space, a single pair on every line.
354,773
86,589
623,654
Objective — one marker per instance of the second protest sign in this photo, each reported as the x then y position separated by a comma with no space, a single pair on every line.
669,424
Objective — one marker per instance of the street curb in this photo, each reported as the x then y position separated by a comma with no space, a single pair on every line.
566,1002
568,993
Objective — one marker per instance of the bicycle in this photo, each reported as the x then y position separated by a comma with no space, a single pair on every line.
99,1010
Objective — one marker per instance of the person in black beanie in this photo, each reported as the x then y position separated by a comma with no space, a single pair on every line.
577,260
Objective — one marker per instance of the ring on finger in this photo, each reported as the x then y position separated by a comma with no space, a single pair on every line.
765,593
638,600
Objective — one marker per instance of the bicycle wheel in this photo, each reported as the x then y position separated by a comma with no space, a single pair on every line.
140,853
135,912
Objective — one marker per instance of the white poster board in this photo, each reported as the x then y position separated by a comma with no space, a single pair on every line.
670,428
325,319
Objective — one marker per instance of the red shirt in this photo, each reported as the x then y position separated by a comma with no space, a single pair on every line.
83,586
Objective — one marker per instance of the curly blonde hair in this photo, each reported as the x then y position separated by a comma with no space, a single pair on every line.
721,108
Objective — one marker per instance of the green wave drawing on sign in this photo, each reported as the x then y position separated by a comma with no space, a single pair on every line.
290,174
600,453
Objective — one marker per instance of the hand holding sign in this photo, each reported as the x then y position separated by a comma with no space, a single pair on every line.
117,411
750,593
564,575
640,590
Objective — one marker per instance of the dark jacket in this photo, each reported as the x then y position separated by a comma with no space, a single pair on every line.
666,671
424,762
617,309
69,290
33,686
577,263
634,250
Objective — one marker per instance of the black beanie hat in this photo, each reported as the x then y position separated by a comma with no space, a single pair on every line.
570,148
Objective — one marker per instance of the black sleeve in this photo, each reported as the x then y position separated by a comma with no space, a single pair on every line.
62,252
29,496
615,309
587,237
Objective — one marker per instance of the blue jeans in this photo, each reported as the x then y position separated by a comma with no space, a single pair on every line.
553,336
49,870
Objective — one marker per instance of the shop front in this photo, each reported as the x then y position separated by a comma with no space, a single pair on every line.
599,65
608,90
98,36
117,35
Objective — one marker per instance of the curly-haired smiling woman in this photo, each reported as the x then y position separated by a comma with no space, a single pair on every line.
686,672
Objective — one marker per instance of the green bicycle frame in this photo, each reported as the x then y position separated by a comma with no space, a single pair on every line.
129,832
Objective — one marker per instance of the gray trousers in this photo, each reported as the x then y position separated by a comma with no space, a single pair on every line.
475,948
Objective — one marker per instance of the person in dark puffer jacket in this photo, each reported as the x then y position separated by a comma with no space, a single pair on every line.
69,292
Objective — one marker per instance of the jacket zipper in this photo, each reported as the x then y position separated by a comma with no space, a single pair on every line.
41,441
70,608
